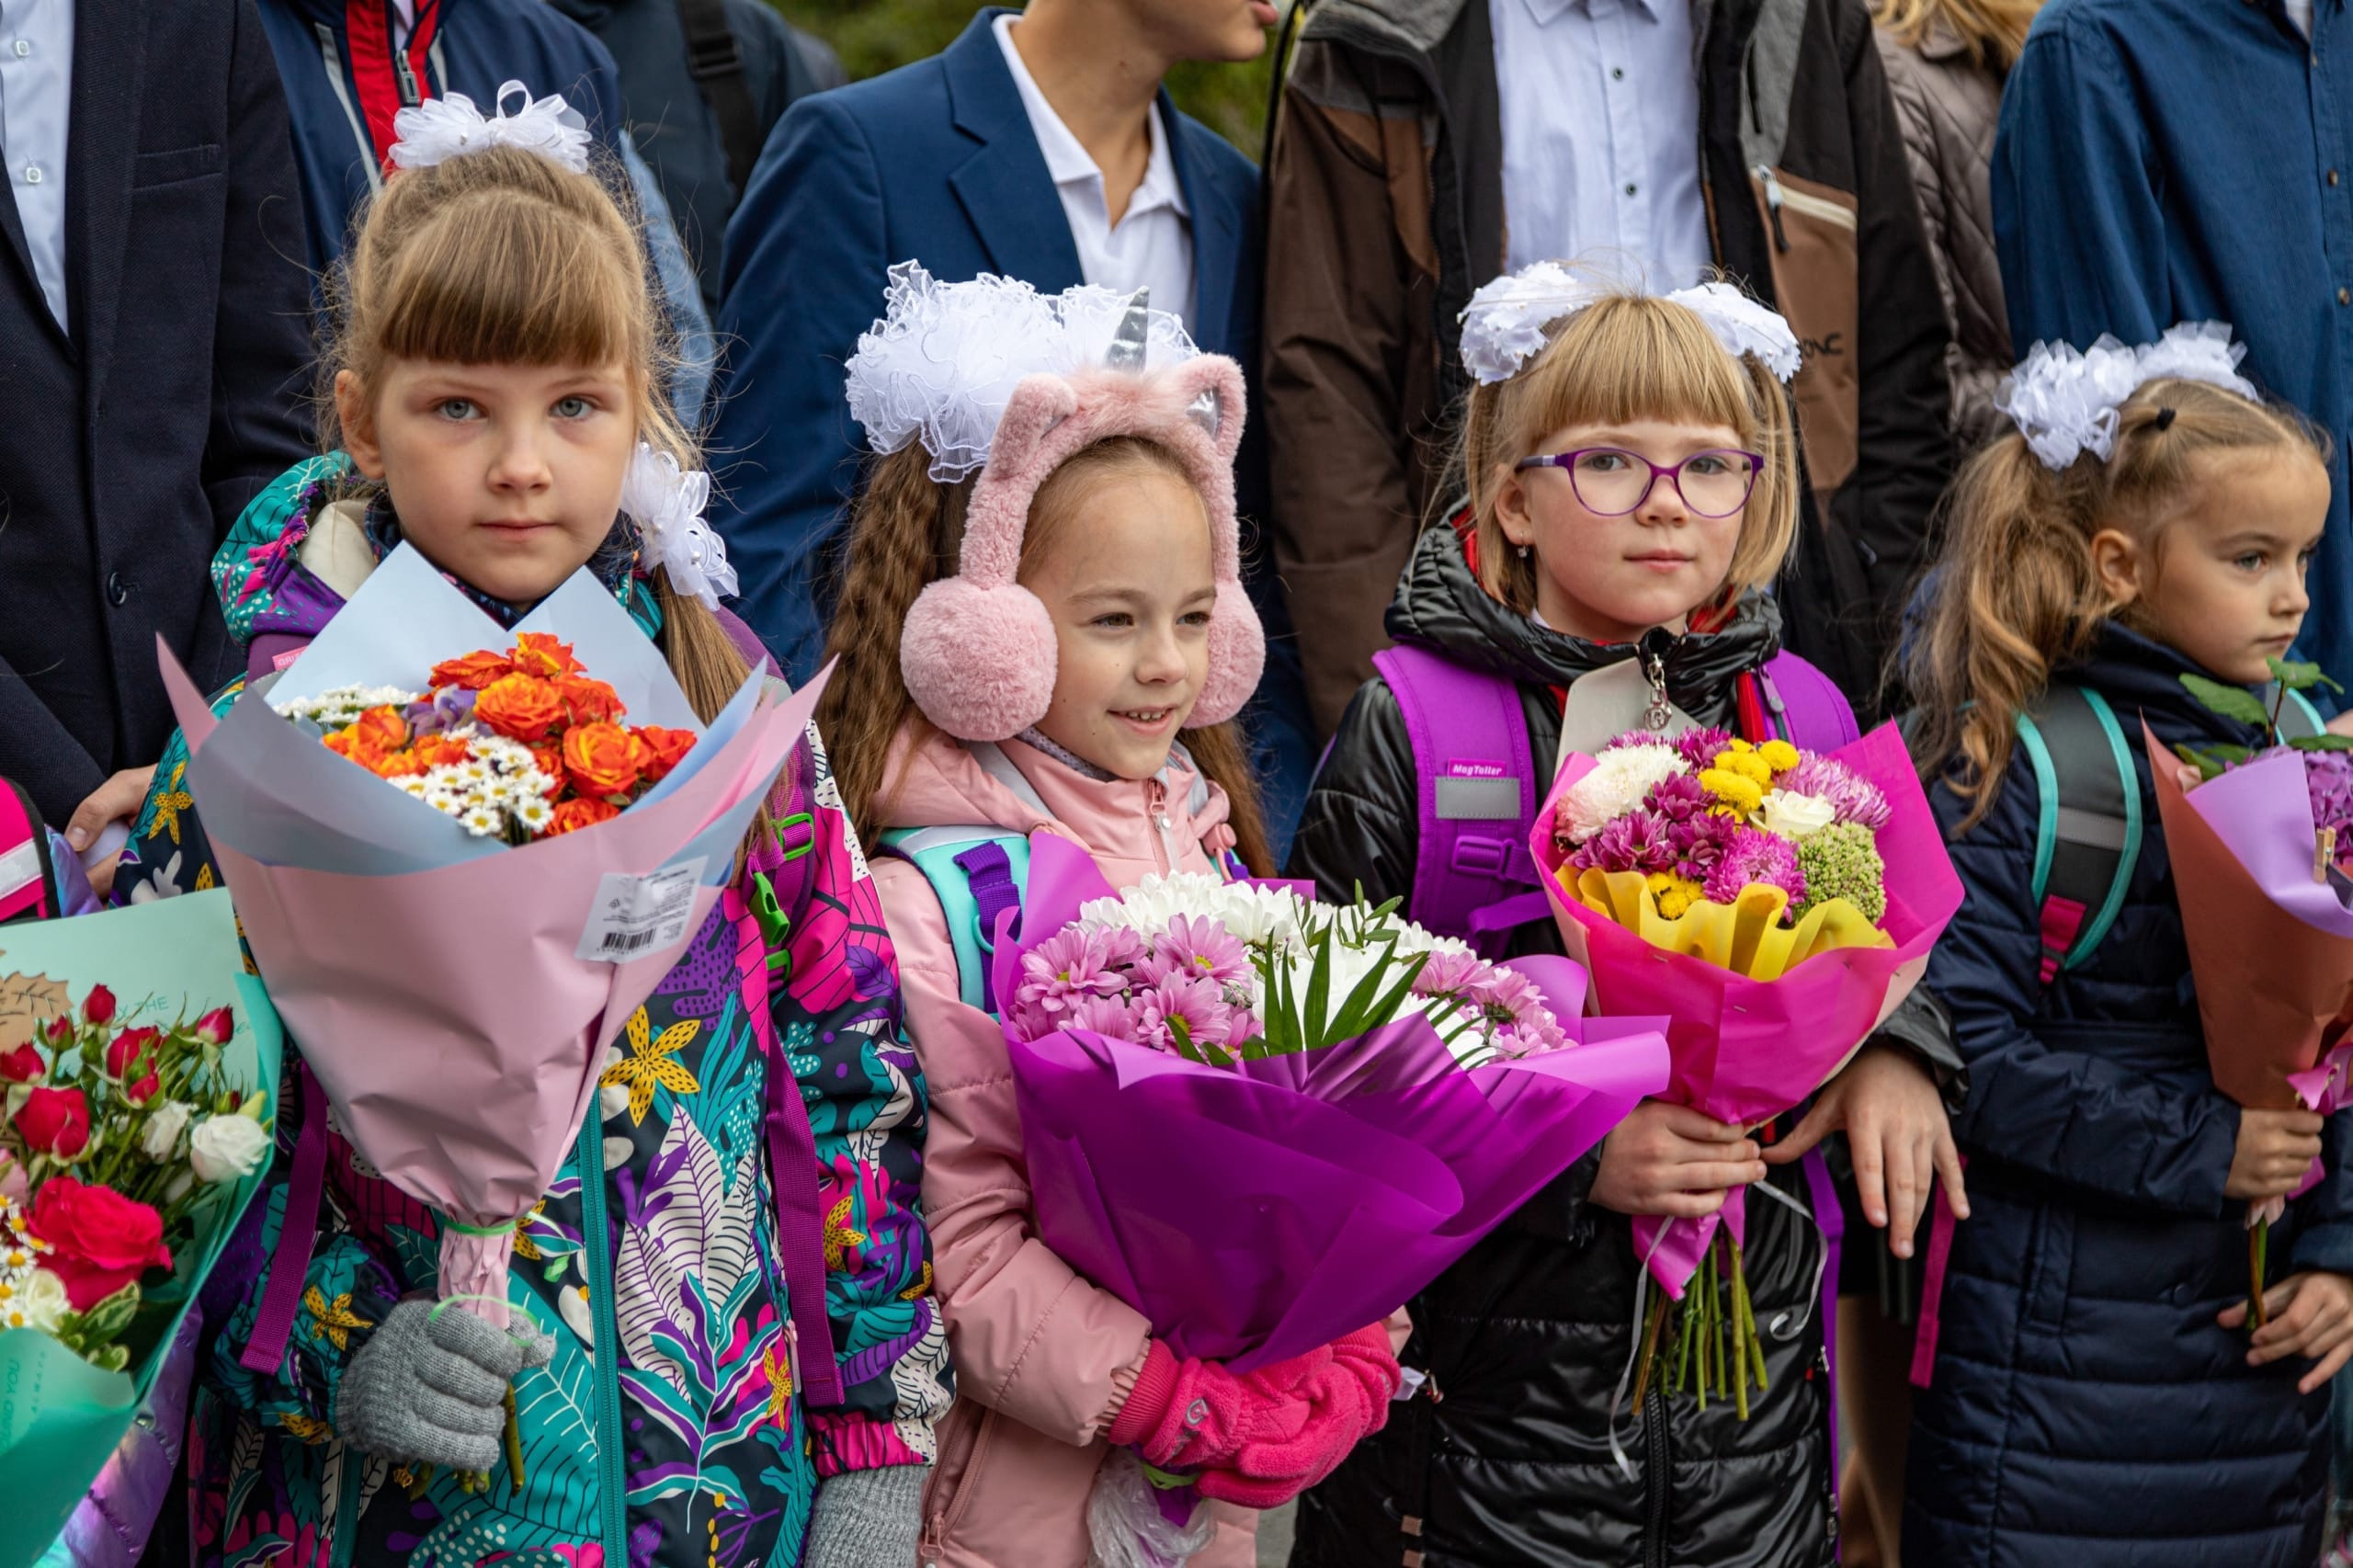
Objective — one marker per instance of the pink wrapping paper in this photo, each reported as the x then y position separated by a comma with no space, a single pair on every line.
1744,1051
457,1035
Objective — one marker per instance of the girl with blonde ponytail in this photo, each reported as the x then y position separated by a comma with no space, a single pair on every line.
2149,520
724,1347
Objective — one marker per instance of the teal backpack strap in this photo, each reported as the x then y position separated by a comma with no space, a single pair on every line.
2087,839
977,873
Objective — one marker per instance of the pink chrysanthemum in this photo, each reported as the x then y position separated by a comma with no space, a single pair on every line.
1754,858
1699,842
1063,969
1447,973
1639,841
1678,799
1699,748
1853,797
1198,1002
1106,1016
1196,948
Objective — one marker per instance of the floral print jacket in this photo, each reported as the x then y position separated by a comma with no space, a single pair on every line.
666,1201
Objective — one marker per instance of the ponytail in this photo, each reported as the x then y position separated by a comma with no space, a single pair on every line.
2016,595
904,534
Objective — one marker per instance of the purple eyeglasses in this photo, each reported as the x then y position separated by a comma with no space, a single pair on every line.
1613,482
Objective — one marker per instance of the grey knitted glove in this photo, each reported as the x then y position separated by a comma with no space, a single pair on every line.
867,1518
432,1387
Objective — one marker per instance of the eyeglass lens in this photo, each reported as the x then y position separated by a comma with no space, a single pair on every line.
1714,484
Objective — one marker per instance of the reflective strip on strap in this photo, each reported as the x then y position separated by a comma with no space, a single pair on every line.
2094,828
1482,800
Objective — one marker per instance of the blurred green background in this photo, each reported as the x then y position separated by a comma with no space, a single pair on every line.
873,35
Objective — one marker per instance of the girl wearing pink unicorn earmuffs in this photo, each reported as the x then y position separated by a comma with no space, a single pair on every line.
1055,644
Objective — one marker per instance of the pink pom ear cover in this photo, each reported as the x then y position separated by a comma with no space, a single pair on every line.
977,652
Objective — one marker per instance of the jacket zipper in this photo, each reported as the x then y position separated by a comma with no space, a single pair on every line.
1778,195
1655,1478
612,1494
934,1529
1155,796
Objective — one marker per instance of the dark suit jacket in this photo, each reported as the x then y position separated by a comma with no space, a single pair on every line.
933,163
132,437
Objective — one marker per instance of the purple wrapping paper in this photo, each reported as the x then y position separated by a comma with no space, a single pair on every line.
1255,1212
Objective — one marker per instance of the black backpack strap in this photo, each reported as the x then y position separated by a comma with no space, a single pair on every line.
2087,838
716,62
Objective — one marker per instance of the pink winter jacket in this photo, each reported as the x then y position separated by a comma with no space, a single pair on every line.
1036,1348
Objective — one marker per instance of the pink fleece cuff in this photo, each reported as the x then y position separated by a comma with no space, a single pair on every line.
1148,1401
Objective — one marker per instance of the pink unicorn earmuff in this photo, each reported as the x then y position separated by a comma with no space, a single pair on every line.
978,651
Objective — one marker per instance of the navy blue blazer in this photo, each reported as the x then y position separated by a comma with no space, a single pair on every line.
933,163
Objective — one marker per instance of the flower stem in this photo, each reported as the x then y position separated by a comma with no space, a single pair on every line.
1653,1321
2258,1240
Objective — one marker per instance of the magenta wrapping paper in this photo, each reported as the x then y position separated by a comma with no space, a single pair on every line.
1255,1212
1744,1051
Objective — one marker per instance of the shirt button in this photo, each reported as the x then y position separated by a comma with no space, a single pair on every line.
23,46
2332,177
118,591
1616,73
1629,187
32,174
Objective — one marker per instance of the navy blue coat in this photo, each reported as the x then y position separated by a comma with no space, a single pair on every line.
132,433
2086,1409
933,163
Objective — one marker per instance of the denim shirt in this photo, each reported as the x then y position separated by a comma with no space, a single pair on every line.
2163,161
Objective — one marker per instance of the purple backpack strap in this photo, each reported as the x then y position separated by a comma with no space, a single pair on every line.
793,1170
1477,791
1807,704
298,1227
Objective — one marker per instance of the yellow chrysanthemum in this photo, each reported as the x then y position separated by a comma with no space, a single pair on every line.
1749,765
1780,755
1673,895
1736,793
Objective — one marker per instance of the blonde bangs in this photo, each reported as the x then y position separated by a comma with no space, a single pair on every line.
527,285
1631,358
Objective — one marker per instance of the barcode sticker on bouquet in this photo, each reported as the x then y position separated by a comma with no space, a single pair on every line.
638,916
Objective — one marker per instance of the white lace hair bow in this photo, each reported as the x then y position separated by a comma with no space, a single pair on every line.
941,364
2064,401
666,505
444,127
1504,324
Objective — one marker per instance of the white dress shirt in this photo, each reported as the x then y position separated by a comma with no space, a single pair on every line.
1600,105
35,105
1152,245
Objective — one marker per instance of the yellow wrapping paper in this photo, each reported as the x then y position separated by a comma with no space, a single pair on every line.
1747,937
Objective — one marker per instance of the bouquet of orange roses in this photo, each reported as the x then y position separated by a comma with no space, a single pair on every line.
516,746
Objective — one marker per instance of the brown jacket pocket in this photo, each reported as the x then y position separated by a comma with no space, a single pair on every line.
1811,230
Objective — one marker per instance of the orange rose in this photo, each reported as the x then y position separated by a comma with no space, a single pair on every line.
664,749
395,763
474,672
548,758
579,812
367,738
588,701
520,707
441,751
603,759
537,653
